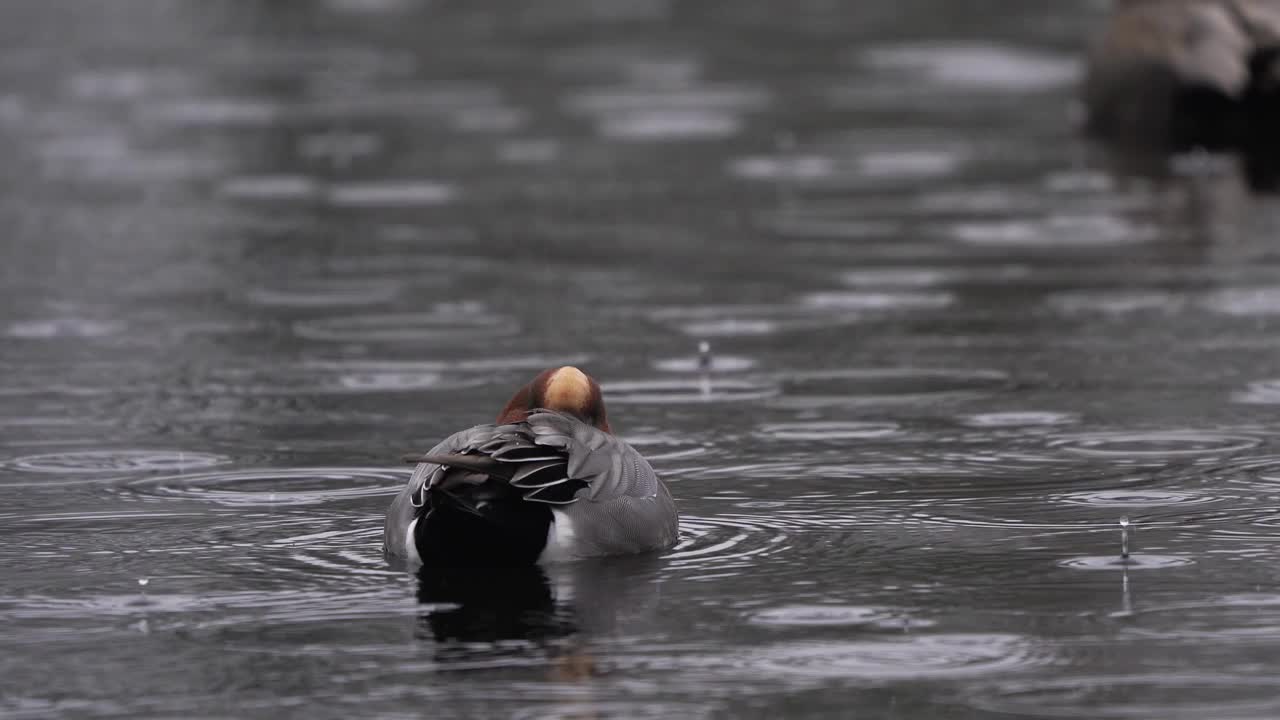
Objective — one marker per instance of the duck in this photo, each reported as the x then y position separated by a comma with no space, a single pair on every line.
548,481
1179,75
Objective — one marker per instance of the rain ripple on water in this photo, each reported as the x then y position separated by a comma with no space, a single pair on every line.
1156,443
678,391
916,656
453,322
887,385
119,462
834,616
271,487
1169,695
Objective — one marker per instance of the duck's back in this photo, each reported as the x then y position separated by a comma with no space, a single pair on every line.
516,493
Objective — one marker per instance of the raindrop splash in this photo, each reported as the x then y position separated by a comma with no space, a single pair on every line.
143,601
1124,537
704,367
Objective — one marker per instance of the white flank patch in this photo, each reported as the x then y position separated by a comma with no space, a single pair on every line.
561,539
411,547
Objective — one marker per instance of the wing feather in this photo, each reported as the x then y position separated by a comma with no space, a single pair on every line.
609,492
540,474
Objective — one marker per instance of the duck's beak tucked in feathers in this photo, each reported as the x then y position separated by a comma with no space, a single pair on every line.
564,389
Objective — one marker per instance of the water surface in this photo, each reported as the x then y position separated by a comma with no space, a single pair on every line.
253,252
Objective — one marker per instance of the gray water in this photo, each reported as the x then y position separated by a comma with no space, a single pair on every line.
255,251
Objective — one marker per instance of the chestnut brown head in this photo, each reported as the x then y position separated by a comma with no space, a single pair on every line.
565,389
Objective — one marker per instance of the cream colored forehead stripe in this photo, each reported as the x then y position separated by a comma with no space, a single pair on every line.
567,389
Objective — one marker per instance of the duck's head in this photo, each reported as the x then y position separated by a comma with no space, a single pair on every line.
565,389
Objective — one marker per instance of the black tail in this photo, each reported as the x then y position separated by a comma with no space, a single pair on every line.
476,520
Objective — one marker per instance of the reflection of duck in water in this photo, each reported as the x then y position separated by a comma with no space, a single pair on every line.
1175,75
476,613
549,481
479,605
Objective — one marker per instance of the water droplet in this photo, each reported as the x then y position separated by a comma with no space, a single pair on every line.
705,362
1124,537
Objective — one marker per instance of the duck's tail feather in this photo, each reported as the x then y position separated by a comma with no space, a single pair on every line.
474,463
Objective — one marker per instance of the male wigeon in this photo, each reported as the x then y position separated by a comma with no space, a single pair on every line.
549,481
1183,74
